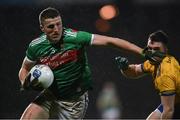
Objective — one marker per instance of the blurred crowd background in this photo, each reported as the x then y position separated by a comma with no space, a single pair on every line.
113,96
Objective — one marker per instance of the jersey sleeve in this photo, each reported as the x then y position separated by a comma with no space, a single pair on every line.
147,67
30,53
78,37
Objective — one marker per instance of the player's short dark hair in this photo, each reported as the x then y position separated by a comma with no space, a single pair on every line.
159,36
48,13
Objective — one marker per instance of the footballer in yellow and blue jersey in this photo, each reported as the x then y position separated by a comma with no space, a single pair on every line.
166,76
166,80
165,71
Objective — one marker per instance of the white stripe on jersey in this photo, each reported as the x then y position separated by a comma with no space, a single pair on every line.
27,59
69,33
92,39
38,40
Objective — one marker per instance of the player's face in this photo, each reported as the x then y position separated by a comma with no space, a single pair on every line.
52,27
156,46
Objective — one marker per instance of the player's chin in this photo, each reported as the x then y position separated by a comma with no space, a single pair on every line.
55,40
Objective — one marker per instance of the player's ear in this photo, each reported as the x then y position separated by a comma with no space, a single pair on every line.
42,28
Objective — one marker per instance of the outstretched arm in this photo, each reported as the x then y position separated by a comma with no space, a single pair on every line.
130,71
134,71
116,42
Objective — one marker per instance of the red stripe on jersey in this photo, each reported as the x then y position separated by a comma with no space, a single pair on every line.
73,30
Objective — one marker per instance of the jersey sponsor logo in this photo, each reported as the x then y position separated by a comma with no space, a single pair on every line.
60,58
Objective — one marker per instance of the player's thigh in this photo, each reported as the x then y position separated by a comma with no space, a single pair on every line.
154,115
34,111
72,109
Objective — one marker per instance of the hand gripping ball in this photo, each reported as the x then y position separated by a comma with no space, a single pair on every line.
43,74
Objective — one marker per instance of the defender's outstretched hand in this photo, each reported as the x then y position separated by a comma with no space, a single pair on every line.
122,62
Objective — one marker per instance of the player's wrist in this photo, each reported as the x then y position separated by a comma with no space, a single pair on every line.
26,82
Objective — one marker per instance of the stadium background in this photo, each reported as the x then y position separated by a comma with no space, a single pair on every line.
135,20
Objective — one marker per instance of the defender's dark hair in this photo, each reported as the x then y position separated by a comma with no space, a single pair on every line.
159,36
48,13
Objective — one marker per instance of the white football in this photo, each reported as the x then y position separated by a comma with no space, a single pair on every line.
43,73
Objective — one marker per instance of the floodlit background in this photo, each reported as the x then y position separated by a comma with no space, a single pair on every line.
113,95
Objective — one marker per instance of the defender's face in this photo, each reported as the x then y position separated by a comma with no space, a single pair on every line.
52,27
157,46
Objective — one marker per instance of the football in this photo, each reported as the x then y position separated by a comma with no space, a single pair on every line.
43,73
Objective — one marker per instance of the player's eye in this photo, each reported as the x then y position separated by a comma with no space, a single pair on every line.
50,26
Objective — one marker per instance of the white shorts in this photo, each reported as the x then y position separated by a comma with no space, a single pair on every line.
59,109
